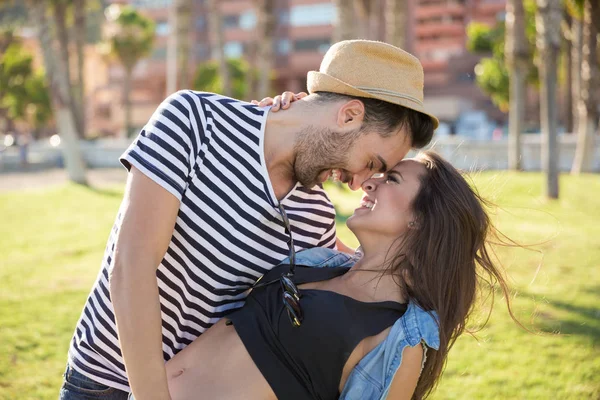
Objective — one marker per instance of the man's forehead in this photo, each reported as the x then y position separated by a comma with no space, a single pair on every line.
393,152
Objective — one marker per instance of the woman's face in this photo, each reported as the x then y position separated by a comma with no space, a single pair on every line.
385,210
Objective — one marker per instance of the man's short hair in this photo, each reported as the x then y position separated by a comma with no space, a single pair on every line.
387,118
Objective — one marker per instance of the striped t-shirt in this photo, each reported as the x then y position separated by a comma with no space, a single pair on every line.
207,150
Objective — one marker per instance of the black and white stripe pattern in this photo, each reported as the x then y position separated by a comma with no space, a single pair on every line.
207,150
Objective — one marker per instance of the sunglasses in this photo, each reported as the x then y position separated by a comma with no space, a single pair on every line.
291,294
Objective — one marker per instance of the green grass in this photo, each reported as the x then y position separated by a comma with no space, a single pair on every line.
52,240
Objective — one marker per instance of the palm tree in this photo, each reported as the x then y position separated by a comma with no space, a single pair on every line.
366,12
59,8
79,19
576,51
266,32
130,39
60,88
215,27
344,25
396,22
179,43
548,22
590,84
517,57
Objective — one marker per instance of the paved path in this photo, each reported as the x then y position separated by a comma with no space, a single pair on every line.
40,179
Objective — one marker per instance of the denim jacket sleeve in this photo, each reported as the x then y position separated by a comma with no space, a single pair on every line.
372,377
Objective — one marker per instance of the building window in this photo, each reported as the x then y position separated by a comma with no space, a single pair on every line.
247,20
150,4
201,50
312,14
320,45
162,28
283,46
233,49
231,21
159,53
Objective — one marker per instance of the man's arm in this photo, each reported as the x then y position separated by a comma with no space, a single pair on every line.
148,213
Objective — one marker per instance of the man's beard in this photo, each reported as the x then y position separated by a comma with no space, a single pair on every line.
320,149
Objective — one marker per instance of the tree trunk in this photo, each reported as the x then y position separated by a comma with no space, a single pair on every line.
217,39
127,101
183,21
396,22
567,43
344,25
80,38
590,83
517,55
171,81
548,19
59,88
266,33
60,13
576,49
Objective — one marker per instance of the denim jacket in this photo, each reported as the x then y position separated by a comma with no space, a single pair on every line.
372,377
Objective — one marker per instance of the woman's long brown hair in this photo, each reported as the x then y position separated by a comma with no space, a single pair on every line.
444,257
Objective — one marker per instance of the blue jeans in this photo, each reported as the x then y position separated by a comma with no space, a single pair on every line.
79,387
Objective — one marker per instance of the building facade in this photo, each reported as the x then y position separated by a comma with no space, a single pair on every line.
435,32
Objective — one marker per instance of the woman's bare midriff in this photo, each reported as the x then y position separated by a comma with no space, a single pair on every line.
216,366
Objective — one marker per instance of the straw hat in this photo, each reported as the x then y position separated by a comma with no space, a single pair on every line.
374,70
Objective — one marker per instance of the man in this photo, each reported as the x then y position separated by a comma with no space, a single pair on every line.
200,210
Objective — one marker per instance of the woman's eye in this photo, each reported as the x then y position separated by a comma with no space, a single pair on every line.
371,165
391,178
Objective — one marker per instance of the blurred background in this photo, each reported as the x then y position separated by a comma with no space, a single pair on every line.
107,64
515,84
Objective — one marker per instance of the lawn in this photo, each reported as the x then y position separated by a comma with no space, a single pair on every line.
52,242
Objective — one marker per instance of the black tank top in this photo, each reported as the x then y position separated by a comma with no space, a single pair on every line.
306,362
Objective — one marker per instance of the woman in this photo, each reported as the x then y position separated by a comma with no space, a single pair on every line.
423,231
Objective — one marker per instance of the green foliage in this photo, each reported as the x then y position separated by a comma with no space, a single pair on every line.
23,92
207,77
131,36
492,74
492,78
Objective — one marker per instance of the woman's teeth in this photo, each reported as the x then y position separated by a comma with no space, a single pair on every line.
368,204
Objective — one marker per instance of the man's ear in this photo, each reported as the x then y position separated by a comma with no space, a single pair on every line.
351,114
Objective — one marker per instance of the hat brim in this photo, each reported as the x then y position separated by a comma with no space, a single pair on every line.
320,82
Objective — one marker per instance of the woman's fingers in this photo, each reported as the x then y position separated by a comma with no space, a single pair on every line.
281,101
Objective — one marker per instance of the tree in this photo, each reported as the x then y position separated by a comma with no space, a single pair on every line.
23,92
59,8
587,104
178,59
548,20
367,18
344,25
130,39
209,79
215,27
266,32
60,89
576,37
396,22
517,61
79,35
